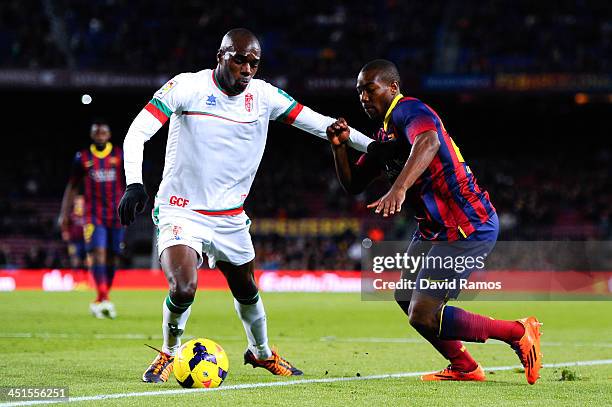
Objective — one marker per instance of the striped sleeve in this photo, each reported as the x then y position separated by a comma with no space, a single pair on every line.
291,113
282,107
159,110
170,98
287,110
413,118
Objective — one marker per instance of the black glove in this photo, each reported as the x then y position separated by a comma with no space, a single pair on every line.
133,201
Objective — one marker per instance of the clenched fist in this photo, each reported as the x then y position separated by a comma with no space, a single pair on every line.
338,132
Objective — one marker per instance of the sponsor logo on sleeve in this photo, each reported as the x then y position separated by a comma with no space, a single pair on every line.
171,84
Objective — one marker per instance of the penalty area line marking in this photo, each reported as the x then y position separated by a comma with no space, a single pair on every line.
248,386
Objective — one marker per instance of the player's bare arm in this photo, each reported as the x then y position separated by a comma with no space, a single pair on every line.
353,179
423,151
70,193
337,133
64,218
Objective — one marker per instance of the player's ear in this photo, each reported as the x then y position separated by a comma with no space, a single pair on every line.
394,88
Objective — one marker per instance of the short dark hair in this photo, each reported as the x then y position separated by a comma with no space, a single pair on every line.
387,70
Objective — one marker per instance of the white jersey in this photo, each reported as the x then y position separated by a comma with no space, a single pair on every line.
215,141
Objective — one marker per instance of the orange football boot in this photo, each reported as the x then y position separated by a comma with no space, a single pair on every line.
476,375
275,364
528,348
160,368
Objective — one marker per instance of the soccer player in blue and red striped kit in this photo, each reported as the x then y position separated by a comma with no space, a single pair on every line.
99,168
414,152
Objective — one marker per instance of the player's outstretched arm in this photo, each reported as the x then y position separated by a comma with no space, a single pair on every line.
423,151
285,109
316,123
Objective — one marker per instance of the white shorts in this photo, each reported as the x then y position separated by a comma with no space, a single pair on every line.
221,238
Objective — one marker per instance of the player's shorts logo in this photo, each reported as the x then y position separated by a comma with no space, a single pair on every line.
176,231
248,102
88,230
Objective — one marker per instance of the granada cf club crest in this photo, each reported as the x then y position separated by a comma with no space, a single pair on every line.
248,102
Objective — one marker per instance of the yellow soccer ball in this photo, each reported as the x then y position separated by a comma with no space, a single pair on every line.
200,363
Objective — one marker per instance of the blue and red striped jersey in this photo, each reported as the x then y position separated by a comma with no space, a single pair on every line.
103,183
446,198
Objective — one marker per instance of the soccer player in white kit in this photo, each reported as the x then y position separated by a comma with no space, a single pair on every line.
218,128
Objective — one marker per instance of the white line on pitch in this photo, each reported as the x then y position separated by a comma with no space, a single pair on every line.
284,383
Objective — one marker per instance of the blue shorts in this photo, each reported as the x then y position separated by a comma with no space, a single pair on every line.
99,236
459,260
77,248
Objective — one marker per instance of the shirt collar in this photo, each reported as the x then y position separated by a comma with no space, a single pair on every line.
101,154
396,99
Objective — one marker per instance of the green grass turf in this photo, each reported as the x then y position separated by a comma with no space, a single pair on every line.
326,335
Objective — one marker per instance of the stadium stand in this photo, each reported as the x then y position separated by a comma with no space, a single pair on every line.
460,37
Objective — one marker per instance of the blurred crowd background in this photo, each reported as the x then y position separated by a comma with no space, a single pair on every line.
314,36
544,156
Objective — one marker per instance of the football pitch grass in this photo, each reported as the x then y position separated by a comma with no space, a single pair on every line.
348,349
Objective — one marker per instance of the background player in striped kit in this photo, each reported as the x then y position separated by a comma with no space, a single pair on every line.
99,169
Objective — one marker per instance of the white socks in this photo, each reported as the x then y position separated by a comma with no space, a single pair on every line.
173,326
253,317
